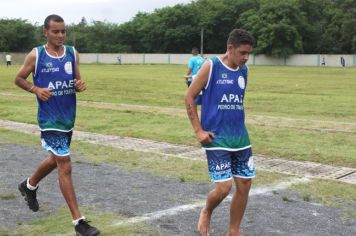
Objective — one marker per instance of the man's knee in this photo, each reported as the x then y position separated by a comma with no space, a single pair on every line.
64,165
223,188
52,161
243,185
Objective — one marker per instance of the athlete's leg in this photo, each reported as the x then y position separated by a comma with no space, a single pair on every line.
238,205
219,163
46,167
30,191
64,166
243,170
221,190
81,227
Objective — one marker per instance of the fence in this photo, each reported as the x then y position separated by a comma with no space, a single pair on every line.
144,58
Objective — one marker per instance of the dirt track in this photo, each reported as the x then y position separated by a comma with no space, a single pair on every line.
133,194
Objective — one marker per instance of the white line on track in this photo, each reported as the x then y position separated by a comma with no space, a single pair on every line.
200,203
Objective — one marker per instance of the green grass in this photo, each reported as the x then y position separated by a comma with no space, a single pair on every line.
309,93
304,145
3,233
184,170
331,194
58,224
328,192
7,196
292,143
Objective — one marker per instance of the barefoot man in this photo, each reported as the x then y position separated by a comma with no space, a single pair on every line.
222,131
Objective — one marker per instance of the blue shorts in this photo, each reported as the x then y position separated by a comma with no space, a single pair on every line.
56,142
223,165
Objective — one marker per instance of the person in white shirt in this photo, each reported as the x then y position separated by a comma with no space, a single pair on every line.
8,60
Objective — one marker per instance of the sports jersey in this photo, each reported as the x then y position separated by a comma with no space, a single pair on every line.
194,64
57,74
222,109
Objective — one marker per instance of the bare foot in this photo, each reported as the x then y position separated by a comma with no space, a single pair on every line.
234,233
204,222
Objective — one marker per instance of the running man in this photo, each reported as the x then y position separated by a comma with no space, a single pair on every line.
56,79
222,131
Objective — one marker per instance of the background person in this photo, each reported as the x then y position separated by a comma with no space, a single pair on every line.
8,59
194,64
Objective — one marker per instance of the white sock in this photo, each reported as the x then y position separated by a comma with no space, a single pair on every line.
29,186
76,222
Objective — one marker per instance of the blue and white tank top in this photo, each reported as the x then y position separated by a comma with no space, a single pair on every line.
222,109
57,74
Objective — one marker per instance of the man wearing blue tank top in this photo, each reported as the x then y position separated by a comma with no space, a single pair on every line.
56,79
222,131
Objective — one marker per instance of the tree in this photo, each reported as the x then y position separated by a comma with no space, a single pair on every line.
312,29
281,28
340,27
17,35
276,25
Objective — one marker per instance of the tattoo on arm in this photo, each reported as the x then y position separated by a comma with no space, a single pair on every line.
190,112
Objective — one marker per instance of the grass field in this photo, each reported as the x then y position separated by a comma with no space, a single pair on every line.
57,224
298,113
297,107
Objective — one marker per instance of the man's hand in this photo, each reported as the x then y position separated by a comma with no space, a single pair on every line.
186,77
205,137
79,85
42,93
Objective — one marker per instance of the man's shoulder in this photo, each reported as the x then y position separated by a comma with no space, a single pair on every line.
38,49
32,54
214,59
196,58
70,48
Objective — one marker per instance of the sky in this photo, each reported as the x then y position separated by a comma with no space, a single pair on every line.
72,11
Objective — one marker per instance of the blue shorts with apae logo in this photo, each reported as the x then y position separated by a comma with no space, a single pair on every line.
223,165
56,142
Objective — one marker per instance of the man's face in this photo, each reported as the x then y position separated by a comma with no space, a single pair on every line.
240,54
55,33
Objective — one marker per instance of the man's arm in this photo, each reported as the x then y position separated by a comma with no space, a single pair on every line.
79,84
26,69
189,71
204,137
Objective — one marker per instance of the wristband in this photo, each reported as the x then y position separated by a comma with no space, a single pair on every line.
31,88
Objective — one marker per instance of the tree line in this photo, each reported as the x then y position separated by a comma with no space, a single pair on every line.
281,28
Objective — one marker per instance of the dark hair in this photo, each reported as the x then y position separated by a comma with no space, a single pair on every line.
240,36
53,17
195,50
